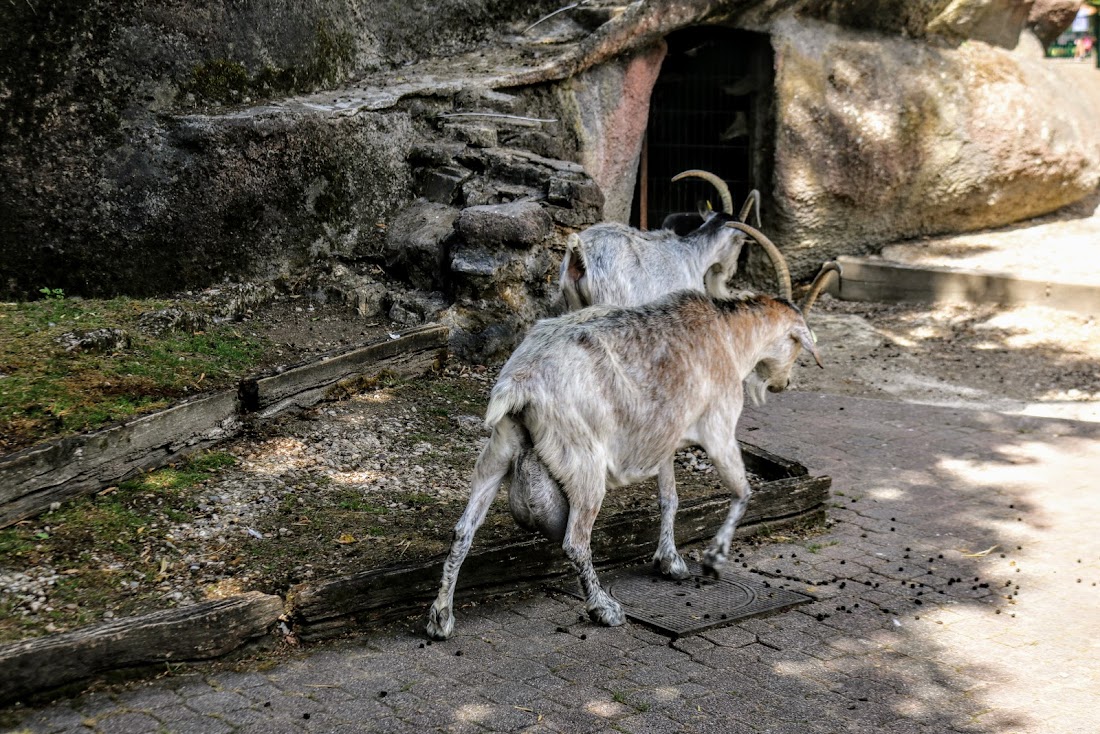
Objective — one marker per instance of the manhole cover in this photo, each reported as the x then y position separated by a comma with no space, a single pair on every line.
695,604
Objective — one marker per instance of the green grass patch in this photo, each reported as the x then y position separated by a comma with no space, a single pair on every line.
46,391
181,476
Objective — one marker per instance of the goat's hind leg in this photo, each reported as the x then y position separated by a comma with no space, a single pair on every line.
584,505
667,558
492,466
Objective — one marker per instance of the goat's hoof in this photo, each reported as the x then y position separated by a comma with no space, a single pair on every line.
441,623
609,613
712,564
674,567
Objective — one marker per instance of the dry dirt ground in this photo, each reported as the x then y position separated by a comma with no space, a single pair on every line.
1031,360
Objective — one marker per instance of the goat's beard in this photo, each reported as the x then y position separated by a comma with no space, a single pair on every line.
756,388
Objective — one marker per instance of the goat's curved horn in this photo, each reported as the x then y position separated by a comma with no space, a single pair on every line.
752,201
723,190
819,284
782,272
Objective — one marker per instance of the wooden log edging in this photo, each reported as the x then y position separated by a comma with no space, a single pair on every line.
34,478
331,607
199,632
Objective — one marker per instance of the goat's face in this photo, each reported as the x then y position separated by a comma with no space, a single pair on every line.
773,372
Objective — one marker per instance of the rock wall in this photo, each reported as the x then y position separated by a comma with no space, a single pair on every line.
881,138
132,162
610,105
152,148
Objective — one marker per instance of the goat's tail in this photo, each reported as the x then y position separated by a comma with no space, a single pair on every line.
574,268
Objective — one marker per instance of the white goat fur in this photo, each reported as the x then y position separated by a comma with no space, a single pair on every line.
615,264
604,397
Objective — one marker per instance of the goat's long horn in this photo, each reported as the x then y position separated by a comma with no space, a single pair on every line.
752,201
819,284
782,272
723,190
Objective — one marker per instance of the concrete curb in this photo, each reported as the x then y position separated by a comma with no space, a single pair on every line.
874,279
32,479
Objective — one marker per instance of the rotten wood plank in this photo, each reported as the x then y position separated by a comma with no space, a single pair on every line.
304,386
329,607
34,478
198,632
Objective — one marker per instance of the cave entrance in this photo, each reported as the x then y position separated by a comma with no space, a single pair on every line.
711,108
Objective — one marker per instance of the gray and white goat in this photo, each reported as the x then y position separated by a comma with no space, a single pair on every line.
616,264
605,396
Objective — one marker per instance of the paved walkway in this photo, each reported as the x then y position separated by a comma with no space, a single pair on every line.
957,592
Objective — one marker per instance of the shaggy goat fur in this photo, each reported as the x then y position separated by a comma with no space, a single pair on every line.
605,396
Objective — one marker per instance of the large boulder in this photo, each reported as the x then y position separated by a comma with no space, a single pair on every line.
881,138
997,22
184,202
1048,18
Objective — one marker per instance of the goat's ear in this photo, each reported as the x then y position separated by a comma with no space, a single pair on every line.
808,341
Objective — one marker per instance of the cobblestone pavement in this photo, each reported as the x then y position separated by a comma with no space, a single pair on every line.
957,591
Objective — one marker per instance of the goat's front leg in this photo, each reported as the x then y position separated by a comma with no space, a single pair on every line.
731,469
584,505
667,557
492,466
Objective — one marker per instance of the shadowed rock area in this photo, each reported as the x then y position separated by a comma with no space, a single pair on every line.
153,150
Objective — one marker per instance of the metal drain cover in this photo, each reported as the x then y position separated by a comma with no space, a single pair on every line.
695,604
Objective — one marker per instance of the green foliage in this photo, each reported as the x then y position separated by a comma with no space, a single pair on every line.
185,475
219,80
52,293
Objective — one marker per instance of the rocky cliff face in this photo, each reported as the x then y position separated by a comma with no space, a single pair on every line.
137,154
880,139
148,149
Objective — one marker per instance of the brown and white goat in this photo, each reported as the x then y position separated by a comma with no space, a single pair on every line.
605,396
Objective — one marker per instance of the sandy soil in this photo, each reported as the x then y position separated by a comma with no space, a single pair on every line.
1031,360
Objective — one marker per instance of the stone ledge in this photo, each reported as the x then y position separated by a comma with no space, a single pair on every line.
870,279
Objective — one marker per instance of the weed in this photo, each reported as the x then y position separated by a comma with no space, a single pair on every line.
356,504
52,294
816,547
181,476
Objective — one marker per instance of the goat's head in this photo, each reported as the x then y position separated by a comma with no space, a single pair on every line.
772,372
